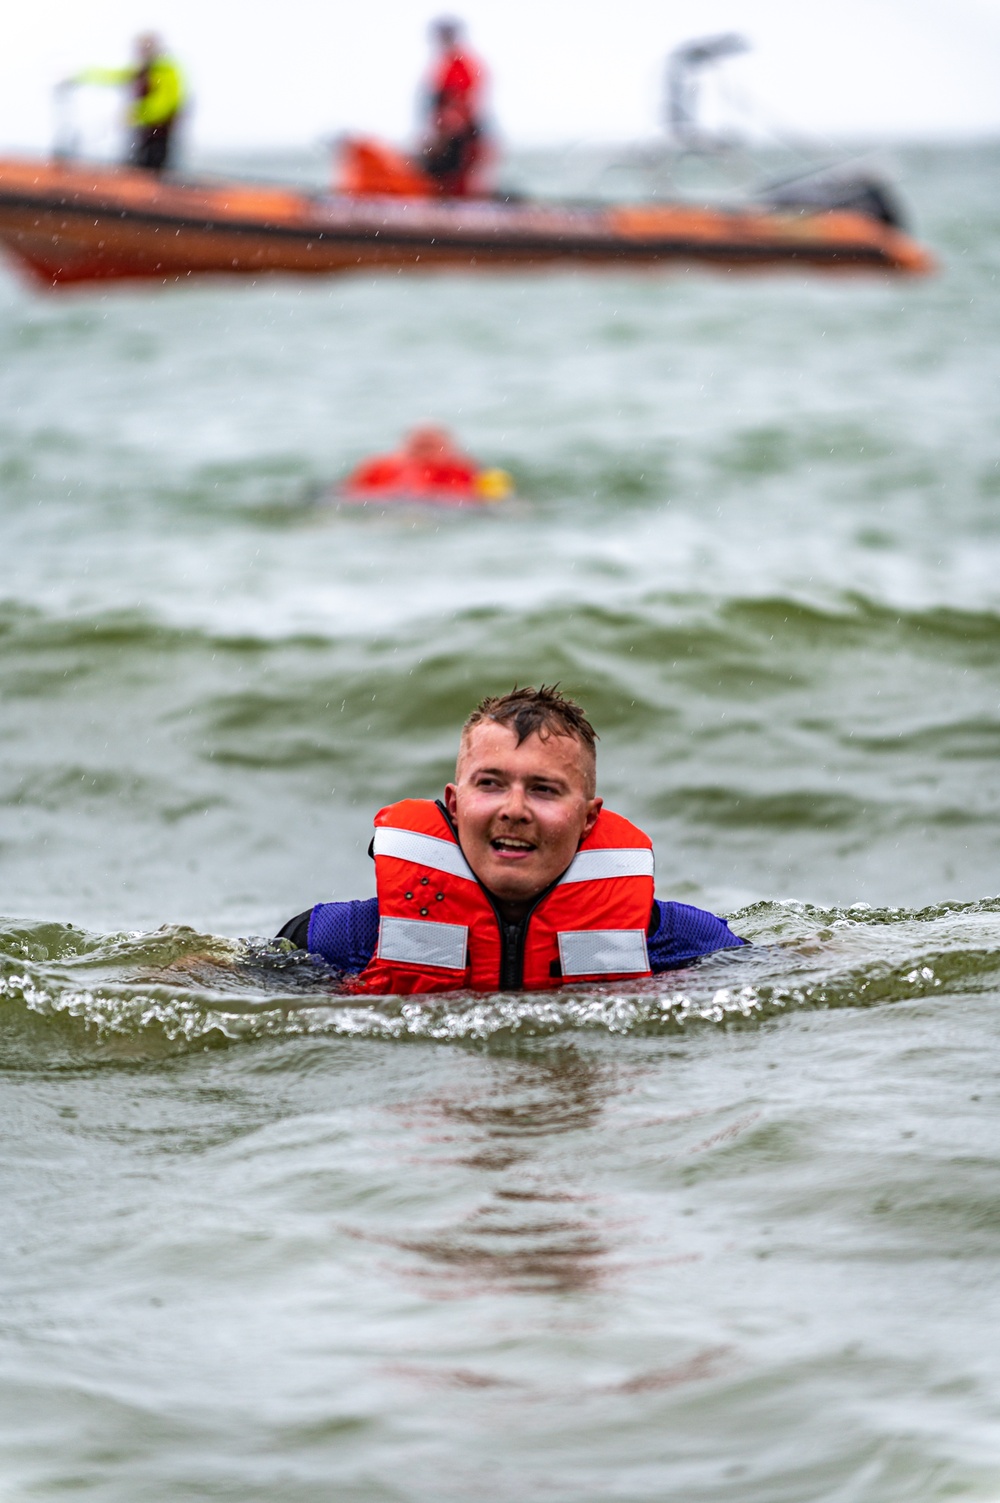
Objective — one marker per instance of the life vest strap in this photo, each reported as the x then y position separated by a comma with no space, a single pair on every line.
596,865
446,856
422,850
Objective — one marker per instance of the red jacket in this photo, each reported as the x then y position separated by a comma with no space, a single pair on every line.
401,475
439,928
456,84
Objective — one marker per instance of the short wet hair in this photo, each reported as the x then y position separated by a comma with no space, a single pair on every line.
543,712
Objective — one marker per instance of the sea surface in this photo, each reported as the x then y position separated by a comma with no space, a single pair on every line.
728,1236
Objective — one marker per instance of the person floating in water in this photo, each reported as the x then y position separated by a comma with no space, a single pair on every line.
455,143
158,96
429,467
518,878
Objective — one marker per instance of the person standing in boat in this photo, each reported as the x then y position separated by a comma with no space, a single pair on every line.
454,146
158,97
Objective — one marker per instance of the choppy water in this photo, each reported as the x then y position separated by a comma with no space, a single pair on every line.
730,1235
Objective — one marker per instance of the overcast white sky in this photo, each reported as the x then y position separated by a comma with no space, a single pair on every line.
285,72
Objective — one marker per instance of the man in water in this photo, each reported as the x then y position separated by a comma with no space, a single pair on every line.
454,145
429,460
158,94
518,878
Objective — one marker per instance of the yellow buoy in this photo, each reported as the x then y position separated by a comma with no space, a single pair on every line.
494,485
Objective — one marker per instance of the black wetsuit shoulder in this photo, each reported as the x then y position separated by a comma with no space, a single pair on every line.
297,930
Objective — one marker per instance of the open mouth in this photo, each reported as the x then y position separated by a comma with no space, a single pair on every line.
506,845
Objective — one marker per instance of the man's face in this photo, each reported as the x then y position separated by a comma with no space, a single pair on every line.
520,811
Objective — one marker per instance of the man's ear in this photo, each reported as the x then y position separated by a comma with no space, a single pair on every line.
593,810
451,799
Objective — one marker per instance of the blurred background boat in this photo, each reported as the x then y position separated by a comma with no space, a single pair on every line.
68,220
74,222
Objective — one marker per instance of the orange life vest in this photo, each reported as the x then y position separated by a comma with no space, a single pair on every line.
449,474
440,929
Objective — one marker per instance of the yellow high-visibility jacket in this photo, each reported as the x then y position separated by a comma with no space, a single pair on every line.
162,101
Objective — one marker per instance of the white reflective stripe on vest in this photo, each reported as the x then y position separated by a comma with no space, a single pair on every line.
414,942
422,850
592,866
603,952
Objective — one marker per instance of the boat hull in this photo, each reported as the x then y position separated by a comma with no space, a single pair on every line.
68,223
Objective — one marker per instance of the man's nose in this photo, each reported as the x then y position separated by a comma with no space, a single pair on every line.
515,805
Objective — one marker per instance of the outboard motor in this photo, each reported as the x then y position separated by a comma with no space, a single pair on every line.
863,194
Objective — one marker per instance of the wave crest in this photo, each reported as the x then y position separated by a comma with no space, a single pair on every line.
69,998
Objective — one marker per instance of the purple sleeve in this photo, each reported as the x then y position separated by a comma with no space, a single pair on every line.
345,934
685,933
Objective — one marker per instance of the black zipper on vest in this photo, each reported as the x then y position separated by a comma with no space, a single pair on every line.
513,937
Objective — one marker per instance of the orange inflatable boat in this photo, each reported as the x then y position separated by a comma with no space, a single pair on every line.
71,222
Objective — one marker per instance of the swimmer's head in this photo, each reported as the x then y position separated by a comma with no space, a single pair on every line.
428,442
524,795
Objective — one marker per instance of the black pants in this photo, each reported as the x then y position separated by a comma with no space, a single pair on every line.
448,159
151,146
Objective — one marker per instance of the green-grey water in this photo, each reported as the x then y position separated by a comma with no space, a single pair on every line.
728,1236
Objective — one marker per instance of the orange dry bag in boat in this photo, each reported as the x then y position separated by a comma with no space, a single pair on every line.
369,169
